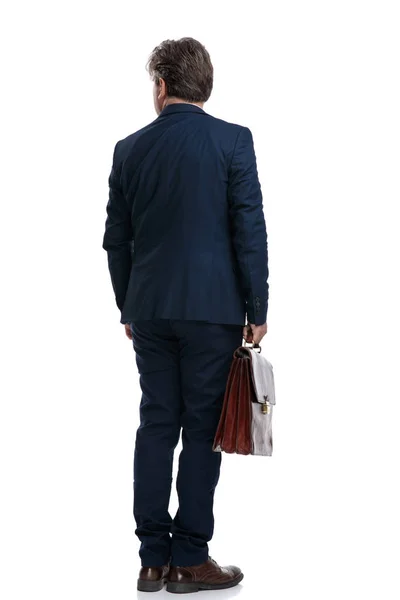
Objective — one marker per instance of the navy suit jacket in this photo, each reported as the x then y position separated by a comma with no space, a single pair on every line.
185,232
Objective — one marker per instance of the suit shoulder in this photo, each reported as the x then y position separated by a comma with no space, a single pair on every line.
230,130
132,137
123,146
227,125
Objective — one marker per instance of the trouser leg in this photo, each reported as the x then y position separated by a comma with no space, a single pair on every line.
206,354
157,357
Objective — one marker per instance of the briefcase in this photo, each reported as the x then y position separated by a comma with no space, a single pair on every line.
245,425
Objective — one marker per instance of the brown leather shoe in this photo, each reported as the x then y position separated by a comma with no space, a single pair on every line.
152,579
207,576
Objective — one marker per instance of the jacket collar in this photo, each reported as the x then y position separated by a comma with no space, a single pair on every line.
181,107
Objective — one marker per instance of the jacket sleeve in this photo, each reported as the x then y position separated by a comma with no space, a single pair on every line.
248,227
118,234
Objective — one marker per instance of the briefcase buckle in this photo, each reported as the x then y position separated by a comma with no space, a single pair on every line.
253,346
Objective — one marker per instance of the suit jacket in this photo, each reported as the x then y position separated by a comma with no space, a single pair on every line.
185,232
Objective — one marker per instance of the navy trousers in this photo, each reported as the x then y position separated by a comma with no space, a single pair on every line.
183,368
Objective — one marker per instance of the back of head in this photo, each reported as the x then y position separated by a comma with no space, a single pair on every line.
186,68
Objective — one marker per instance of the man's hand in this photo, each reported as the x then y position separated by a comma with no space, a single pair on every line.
128,331
254,333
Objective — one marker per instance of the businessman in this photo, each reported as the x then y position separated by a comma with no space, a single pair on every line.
186,242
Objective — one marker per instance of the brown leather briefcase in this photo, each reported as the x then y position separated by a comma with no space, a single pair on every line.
245,425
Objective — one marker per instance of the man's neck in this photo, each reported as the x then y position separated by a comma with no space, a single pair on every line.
180,101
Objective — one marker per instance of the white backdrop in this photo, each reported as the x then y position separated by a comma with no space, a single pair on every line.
318,84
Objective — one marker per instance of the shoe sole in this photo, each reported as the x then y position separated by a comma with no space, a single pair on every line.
150,586
197,586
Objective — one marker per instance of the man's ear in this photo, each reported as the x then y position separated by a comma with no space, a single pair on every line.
162,92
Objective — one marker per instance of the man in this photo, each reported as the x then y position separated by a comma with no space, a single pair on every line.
187,252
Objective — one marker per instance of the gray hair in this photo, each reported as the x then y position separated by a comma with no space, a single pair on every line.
186,68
